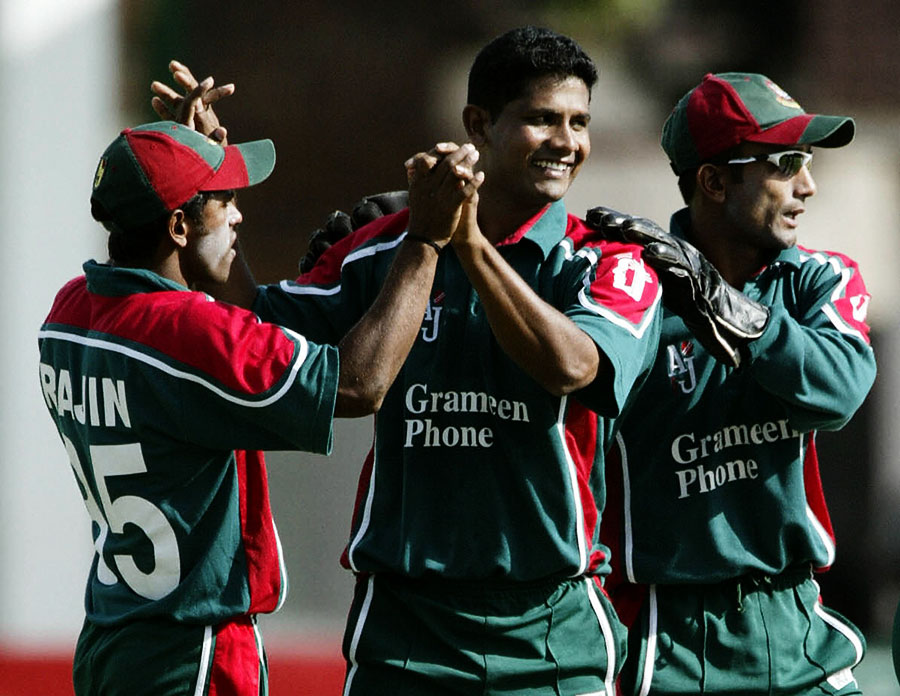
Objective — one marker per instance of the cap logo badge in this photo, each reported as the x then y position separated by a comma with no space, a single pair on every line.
101,170
782,97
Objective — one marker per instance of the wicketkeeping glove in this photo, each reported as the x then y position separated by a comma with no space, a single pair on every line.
338,224
721,317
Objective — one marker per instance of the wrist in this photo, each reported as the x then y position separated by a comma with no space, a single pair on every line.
425,240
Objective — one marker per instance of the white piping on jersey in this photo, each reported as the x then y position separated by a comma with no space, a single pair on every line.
613,317
823,536
260,651
367,512
573,487
291,287
608,637
839,626
626,508
355,255
652,628
357,632
845,273
200,689
818,528
302,350
282,571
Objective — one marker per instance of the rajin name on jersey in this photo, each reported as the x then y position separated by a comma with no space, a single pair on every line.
100,401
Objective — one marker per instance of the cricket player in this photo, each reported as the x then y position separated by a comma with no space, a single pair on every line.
475,534
721,515
157,391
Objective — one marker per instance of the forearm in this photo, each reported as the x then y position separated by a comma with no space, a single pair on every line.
541,340
820,375
374,350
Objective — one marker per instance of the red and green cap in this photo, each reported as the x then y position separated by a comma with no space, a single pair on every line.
727,109
150,170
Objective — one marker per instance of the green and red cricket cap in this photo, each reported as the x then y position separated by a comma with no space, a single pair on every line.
726,109
150,170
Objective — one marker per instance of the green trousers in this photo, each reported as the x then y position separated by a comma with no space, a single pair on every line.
755,635
440,638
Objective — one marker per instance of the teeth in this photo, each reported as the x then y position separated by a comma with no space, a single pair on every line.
547,164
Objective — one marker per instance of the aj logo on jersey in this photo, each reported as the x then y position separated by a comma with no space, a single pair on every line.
680,361
432,316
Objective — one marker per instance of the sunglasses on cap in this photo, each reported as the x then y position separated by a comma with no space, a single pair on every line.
788,162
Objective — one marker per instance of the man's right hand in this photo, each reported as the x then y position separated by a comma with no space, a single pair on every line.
721,317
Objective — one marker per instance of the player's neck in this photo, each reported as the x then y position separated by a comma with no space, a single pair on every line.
499,219
736,262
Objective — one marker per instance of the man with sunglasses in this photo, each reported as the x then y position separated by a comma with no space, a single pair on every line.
723,518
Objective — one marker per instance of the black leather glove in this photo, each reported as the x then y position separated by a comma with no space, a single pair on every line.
338,224
721,317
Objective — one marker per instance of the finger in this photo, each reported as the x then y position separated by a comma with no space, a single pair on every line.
419,165
164,92
462,162
183,76
161,109
195,97
220,135
664,254
455,166
214,95
469,189
644,231
441,149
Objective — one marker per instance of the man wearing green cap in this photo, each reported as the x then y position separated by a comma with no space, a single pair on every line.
722,518
156,391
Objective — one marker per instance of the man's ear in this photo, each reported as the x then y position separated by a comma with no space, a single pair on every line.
477,121
178,228
711,182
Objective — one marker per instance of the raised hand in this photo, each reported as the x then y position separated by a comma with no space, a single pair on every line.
440,180
193,108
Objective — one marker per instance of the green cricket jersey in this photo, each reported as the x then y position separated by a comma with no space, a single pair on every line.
153,388
718,469
476,471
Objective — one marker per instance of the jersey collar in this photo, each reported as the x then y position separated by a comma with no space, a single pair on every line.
545,229
115,281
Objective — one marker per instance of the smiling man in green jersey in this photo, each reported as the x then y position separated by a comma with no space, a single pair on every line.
475,538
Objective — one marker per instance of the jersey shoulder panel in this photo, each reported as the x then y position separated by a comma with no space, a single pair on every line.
71,306
227,343
327,269
621,281
848,294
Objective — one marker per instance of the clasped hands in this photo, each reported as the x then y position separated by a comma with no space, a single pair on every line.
443,193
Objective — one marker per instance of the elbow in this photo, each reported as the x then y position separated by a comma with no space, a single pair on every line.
566,381
576,375
359,402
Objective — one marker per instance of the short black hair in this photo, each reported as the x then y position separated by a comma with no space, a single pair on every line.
135,247
504,67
